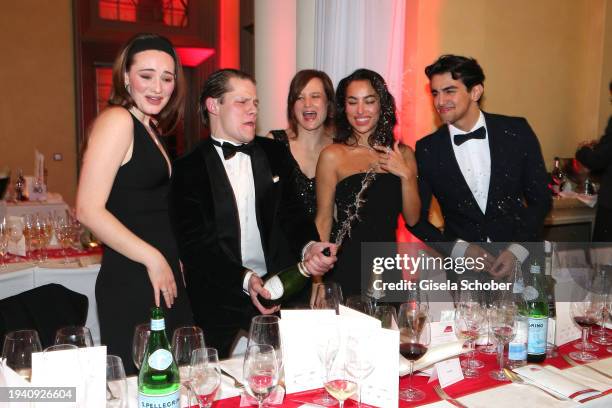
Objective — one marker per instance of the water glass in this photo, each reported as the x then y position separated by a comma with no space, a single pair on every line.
326,295
17,350
116,383
80,336
261,371
205,375
184,341
264,330
139,343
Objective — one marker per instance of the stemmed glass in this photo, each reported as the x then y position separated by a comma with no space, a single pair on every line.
116,383
326,295
17,351
601,286
504,326
264,330
359,361
63,230
468,318
4,240
472,299
585,313
361,304
205,375
80,336
415,335
45,231
139,343
387,316
339,383
15,229
261,371
184,341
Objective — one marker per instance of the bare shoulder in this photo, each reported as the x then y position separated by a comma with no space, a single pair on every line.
113,123
333,151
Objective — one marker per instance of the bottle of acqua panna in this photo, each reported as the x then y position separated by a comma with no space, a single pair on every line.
158,380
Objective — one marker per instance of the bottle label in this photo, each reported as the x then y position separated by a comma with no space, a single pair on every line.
160,359
158,324
517,349
538,332
171,400
275,286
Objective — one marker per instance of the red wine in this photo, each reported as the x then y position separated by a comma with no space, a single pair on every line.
412,351
585,321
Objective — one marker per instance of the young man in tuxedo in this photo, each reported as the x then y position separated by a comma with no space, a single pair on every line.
233,217
485,170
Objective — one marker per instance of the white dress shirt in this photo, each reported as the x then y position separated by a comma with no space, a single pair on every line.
240,174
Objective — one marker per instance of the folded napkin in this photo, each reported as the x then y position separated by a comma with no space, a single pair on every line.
563,383
434,354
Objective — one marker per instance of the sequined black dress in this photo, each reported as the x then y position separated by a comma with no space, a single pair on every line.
304,186
377,223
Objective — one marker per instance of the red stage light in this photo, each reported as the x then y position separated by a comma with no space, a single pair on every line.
192,57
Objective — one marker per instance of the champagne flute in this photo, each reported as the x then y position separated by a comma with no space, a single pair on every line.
142,332
205,375
504,326
80,336
584,313
264,330
116,383
415,335
261,371
184,341
17,351
467,328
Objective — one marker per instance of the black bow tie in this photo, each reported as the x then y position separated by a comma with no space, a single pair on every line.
230,150
479,133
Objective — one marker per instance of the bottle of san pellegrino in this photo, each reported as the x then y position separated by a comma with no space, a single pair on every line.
158,380
285,284
537,302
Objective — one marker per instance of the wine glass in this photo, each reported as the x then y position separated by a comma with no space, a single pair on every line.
387,315
502,318
4,240
327,345
62,228
264,330
205,375
17,351
339,383
361,304
359,362
80,336
45,232
56,355
261,371
116,383
584,312
472,299
15,229
139,343
184,341
415,335
326,295
468,318
601,286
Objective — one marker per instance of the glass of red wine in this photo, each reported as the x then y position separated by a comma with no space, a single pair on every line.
415,335
585,314
502,318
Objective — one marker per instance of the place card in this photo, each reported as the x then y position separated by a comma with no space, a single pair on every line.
442,332
448,372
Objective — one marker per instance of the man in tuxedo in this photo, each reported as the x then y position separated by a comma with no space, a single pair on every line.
234,217
485,170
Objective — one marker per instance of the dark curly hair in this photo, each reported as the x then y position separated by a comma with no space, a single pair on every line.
465,69
383,133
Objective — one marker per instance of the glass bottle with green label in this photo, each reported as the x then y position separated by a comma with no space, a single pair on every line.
537,303
158,380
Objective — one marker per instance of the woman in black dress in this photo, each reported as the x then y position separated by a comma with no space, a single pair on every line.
123,194
310,113
364,143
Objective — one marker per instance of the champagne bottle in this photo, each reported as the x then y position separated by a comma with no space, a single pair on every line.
535,295
548,278
285,284
517,348
20,186
158,380
558,178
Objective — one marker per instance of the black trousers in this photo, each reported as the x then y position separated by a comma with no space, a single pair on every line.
603,225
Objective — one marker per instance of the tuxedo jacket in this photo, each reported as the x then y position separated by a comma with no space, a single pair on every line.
518,198
599,160
207,226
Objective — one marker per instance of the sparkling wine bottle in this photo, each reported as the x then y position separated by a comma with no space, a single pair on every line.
158,380
535,295
285,284
20,186
558,178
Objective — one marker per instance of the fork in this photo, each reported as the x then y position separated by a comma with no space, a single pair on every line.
573,363
517,379
442,394
237,384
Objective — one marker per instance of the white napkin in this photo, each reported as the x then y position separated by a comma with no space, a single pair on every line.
557,381
433,355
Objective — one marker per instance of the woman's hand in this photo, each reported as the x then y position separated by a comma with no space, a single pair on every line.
162,280
399,163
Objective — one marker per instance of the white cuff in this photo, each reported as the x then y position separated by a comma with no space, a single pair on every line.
459,249
519,251
245,282
306,248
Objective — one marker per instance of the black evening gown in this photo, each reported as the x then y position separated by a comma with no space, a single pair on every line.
304,186
139,200
377,223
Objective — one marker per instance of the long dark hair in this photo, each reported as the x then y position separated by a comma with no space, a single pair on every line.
298,83
383,133
172,113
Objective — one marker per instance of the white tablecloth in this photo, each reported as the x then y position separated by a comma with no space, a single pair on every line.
81,280
31,207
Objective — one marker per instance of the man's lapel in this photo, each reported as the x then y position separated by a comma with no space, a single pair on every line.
224,202
495,132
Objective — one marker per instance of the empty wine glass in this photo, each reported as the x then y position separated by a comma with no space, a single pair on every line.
76,376
17,351
601,286
116,383
15,229
503,325
469,299
361,304
205,375
261,371
80,336
415,335
184,341
139,343
584,312
63,230
468,318
326,295
387,316
359,362
264,330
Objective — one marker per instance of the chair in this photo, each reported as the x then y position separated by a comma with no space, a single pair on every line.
45,309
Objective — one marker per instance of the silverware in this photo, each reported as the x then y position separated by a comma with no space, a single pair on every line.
517,379
574,363
237,383
442,394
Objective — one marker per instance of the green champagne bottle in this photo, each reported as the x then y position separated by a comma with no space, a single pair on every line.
537,304
285,284
158,380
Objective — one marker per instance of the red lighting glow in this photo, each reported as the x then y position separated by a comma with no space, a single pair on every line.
192,57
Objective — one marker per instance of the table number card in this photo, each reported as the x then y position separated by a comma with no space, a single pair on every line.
566,329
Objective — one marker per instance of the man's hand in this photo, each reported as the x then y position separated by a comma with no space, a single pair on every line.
315,262
256,288
503,266
474,251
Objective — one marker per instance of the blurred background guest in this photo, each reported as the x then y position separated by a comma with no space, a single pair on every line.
597,156
310,113
364,142
123,194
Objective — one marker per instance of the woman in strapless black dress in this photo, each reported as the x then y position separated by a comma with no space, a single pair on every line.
310,114
123,195
365,117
